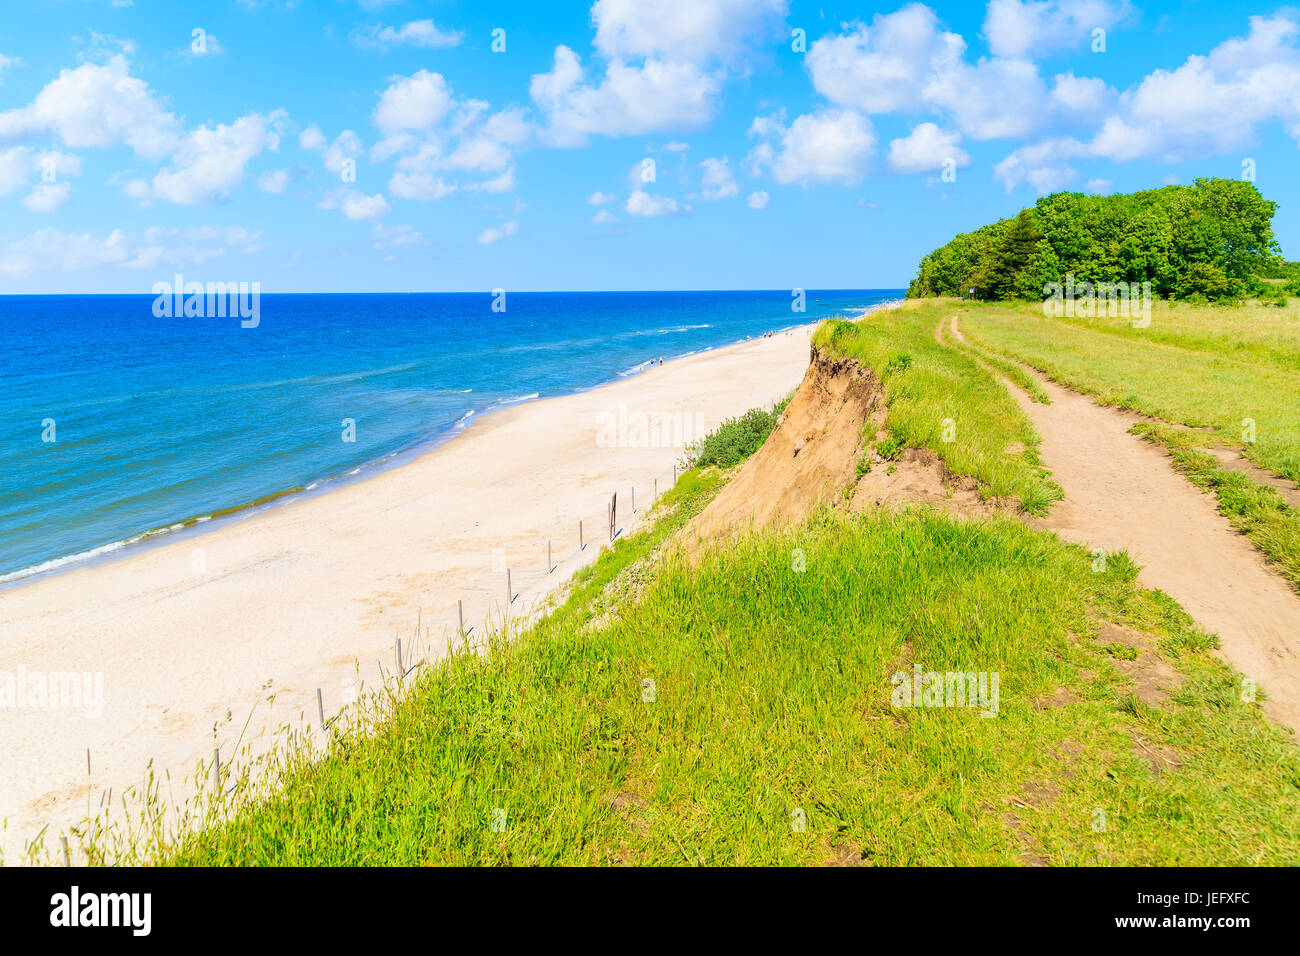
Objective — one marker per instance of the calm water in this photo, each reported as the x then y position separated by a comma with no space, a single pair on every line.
161,421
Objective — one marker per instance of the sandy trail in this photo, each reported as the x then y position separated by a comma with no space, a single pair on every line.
193,636
1122,494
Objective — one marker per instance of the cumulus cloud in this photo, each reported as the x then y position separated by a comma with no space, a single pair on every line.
642,203
1211,104
439,139
599,198
665,66
355,204
97,105
693,31
413,102
210,161
758,199
926,149
604,217
656,95
830,146
420,33
885,66
497,233
1017,28
717,180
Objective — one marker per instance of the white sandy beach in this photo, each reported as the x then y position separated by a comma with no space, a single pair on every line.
193,636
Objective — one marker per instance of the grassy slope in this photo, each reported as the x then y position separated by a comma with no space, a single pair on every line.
926,383
1199,367
772,696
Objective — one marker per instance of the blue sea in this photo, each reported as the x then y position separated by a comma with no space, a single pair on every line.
117,427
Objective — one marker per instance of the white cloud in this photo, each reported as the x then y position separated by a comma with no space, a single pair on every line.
50,249
830,146
717,180
659,94
19,164
694,31
421,33
355,204
604,217
642,203
312,138
433,133
97,105
394,237
417,101
992,98
497,233
47,197
926,149
1100,186
884,67
1017,28
210,162
1211,104
758,199
274,181
8,63
599,198
1044,166
1081,94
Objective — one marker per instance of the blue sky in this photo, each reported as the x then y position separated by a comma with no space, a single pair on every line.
377,145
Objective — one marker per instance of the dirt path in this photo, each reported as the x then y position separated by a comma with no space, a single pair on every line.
1122,494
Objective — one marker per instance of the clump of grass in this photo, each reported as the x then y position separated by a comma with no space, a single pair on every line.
735,439
942,399
755,687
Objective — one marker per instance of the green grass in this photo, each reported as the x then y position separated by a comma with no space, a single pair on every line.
735,439
1196,366
771,703
927,384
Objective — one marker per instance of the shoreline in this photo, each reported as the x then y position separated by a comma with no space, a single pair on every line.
222,516
219,638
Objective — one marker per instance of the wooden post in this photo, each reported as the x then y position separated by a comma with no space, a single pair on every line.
216,769
320,707
656,493
510,597
549,567
581,544
460,611
400,670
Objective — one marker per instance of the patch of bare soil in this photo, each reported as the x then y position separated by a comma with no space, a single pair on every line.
919,477
1154,678
1122,494
808,460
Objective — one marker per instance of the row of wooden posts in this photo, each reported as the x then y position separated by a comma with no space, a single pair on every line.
611,513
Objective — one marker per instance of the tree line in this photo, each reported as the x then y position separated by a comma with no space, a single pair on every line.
1211,241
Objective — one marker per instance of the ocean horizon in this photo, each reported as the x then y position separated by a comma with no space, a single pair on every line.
119,427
